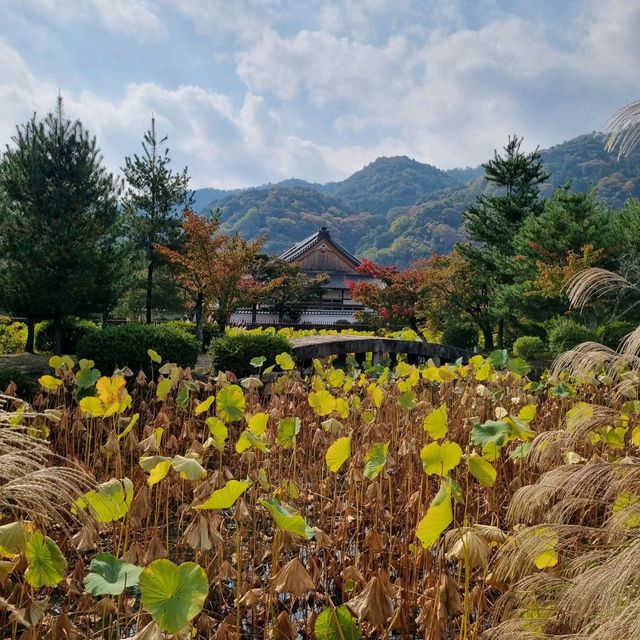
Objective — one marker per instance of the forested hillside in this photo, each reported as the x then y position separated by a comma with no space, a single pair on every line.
396,209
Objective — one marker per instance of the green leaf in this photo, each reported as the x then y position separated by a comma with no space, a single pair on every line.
172,594
109,502
188,468
226,497
438,517
337,624
288,429
519,366
288,520
439,459
490,432
338,453
164,387
481,470
230,403
285,361
87,378
14,537
521,451
218,430
204,405
407,401
45,563
110,576
375,459
257,362
435,424
248,440
154,355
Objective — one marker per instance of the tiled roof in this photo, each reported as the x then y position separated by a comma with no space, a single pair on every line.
323,234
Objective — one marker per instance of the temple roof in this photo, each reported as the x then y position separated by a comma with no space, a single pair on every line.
322,234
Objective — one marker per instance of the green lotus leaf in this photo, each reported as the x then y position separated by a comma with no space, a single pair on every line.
337,624
173,594
110,576
45,563
230,403
110,501
287,520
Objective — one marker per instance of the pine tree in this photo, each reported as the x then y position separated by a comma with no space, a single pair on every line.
155,199
59,224
494,220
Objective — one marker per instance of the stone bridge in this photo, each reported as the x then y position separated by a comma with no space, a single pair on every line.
305,349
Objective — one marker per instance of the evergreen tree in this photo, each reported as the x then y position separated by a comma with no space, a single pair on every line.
154,201
58,231
494,220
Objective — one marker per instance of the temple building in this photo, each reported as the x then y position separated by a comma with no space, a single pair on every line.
320,253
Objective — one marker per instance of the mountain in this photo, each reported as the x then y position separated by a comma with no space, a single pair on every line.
391,182
204,200
396,209
284,215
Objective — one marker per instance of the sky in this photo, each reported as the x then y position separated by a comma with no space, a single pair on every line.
255,91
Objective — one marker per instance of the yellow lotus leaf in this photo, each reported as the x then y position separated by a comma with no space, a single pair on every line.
188,467
322,402
342,407
435,424
205,405
439,459
226,497
285,361
547,555
218,430
338,453
257,423
376,394
438,517
482,470
163,389
335,377
50,383
159,472
527,413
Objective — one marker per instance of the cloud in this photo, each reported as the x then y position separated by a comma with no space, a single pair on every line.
134,18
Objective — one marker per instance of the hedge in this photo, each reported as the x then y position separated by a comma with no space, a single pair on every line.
127,345
235,352
13,335
527,347
565,333
463,336
209,330
73,330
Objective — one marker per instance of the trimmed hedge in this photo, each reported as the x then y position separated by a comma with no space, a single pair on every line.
565,333
527,347
127,345
209,330
73,330
26,384
234,353
463,336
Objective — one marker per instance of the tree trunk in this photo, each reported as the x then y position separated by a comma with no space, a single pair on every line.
105,318
254,313
198,318
31,335
501,333
487,334
149,291
416,328
57,336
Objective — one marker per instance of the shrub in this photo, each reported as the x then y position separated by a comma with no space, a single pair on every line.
209,330
566,333
527,347
127,345
26,385
463,336
234,352
13,335
73,330
612,334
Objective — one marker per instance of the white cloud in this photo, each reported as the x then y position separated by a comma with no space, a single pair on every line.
134,18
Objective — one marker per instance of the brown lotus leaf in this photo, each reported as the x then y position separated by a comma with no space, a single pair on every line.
252,598
140,503
322,540
352,573
150,631
468,546
374,603
227,629
241,512
171,444
141,378
32,614
293,578
134,554
200,534
111,445
86,539
455,604
205,624
373,541
149,444
227,572
105,607
155,551
284,629
63,629
251,383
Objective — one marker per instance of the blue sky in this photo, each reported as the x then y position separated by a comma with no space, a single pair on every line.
251,91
